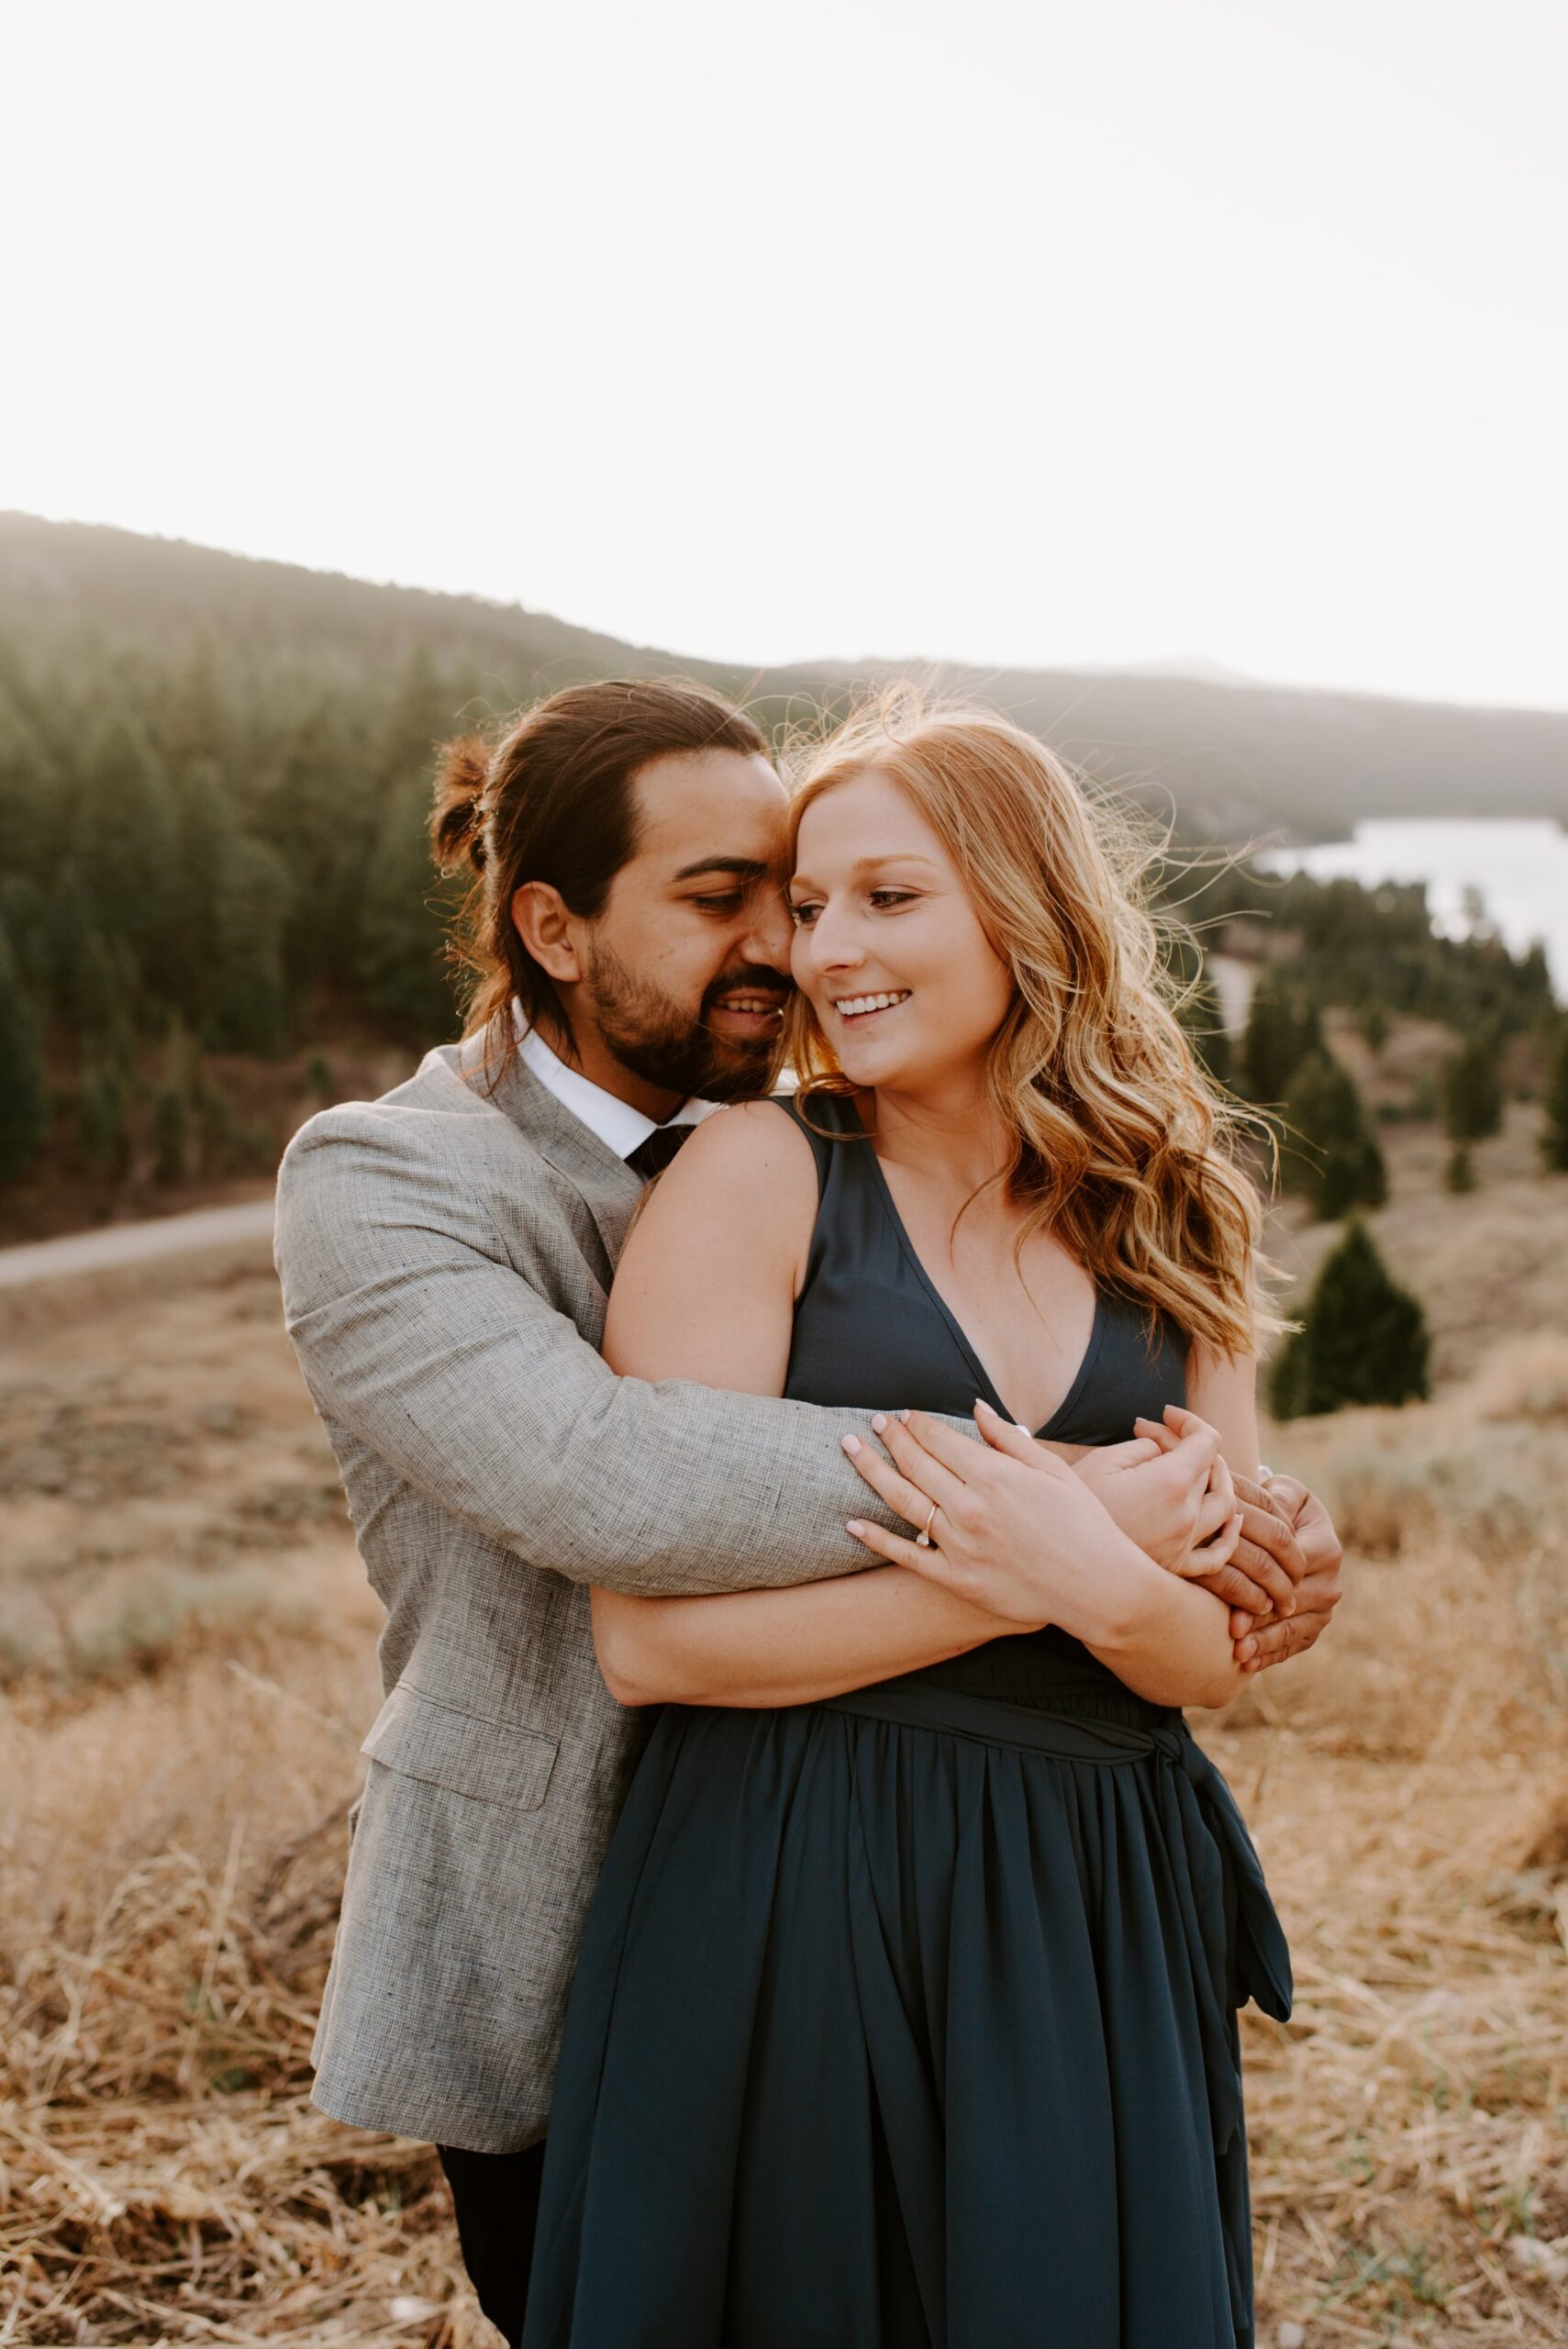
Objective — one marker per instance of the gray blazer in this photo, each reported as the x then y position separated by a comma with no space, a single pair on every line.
445,1259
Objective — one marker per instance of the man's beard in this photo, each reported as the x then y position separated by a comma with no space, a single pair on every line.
658,1039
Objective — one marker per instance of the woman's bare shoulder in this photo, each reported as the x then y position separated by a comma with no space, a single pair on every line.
748,1138
717,1256
747,1174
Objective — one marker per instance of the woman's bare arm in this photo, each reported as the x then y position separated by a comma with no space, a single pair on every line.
705,1290
734,1651
1179,1638
1166,1639
1223,1389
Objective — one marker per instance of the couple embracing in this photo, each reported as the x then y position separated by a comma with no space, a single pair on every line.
795,1572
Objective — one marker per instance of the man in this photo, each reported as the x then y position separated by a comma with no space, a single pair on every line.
445,1255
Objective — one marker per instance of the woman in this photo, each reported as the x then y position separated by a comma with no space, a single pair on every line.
905,2011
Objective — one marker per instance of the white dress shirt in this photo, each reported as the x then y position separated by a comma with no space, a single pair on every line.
618,1125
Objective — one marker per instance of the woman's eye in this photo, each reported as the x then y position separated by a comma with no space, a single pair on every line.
885,898
803,915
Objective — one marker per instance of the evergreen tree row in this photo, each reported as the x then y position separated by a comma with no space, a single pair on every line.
237,847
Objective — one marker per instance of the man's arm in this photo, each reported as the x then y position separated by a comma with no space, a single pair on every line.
416,1333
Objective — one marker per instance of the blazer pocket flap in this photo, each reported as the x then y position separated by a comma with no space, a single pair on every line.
489,1761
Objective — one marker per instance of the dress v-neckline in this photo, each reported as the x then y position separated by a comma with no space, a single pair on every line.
985,1385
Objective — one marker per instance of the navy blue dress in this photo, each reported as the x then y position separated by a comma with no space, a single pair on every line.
907,2020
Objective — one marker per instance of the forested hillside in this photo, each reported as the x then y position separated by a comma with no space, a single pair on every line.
213,774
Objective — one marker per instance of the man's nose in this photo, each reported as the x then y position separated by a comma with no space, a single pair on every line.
771,932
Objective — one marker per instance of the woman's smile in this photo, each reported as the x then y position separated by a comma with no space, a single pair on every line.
867,1007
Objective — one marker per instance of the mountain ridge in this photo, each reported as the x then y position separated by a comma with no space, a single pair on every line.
1240,760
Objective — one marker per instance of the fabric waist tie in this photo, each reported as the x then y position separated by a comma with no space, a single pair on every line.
1235,1943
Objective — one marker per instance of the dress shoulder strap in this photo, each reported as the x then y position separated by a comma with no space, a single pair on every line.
824,1119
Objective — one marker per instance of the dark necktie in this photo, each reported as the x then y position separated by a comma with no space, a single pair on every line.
653,1155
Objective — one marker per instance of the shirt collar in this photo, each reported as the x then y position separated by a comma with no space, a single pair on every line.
615,1123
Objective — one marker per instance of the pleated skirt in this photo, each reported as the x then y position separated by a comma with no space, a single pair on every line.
909,2022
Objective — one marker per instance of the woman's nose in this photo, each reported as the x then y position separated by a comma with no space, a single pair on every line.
831,943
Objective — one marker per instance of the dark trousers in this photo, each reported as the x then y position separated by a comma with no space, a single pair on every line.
496,2196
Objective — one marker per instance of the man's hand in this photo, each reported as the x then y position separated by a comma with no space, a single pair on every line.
1273,1639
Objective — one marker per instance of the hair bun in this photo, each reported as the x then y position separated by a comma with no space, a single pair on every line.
457,829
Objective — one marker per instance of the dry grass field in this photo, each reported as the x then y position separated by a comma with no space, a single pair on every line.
187,1667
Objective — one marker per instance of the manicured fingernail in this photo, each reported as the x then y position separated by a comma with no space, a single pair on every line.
903,1419
852,1444
982,1405
878,1421
854,1525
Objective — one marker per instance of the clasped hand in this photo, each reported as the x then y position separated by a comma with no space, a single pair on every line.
1167,1489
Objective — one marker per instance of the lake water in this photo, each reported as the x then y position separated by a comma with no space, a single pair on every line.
1518,864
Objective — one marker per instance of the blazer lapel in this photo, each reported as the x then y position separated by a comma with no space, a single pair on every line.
608,1186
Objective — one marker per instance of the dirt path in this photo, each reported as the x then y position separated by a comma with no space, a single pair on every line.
134,1243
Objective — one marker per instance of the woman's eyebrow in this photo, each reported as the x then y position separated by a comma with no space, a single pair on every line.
871,864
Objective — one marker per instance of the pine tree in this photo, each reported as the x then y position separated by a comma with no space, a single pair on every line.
91,983
129,843
173,1106
24,1097
1362,1340
242,998
1554,1132
1330,1155
1271,1042
103,1118
1373,1022
1473,1091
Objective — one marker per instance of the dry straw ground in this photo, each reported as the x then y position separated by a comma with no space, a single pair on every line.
188,1669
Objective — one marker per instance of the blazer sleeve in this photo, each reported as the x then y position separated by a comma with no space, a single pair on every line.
416,1334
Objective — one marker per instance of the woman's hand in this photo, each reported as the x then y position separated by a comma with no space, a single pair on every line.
1016,1532
1012,1529
1173,1498
1260,1574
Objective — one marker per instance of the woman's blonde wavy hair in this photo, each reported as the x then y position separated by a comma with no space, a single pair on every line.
1120,1144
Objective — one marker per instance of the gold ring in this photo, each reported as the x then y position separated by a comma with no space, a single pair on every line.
923,1539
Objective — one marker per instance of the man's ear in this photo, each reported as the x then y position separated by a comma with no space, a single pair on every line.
540,917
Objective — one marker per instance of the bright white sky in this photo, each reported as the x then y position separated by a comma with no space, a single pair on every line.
1071,331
